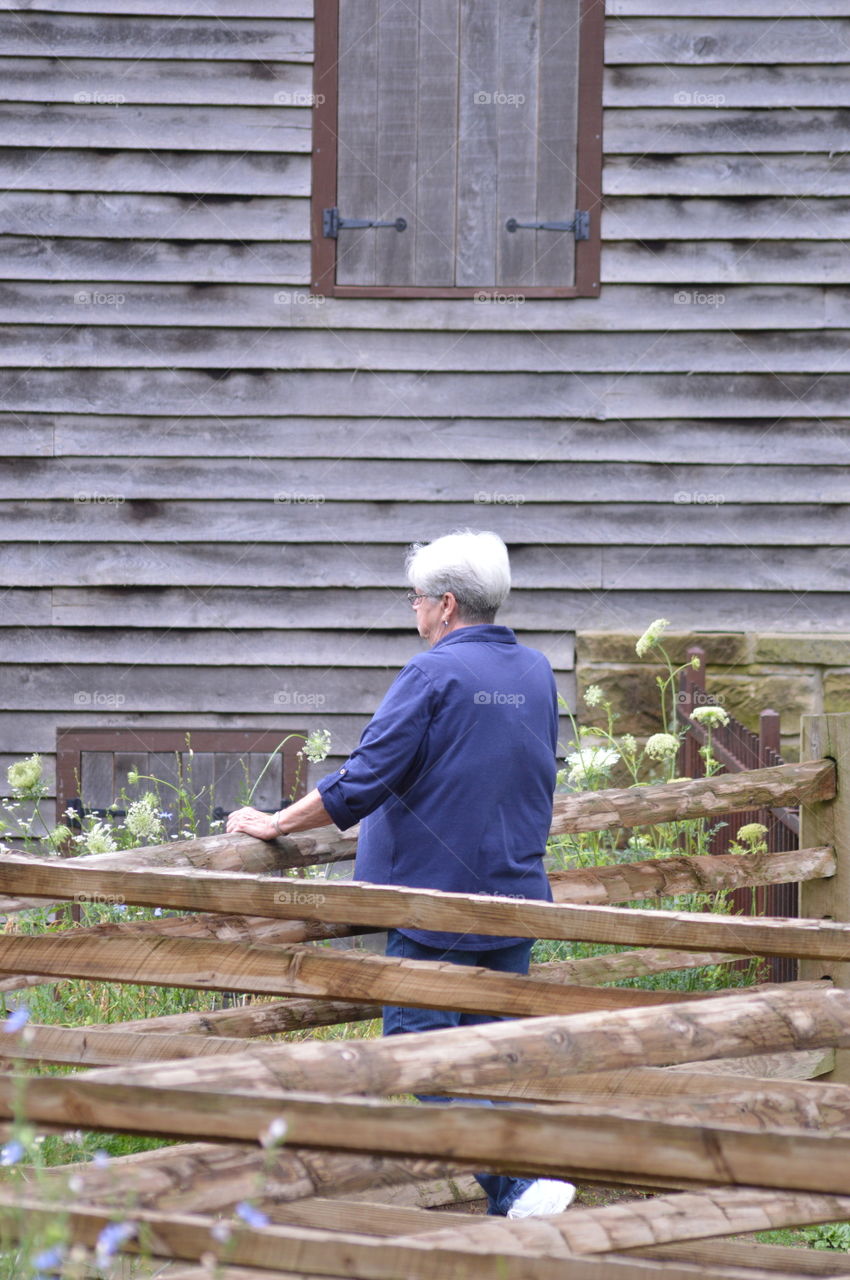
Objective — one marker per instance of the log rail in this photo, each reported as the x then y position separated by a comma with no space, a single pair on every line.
607,1083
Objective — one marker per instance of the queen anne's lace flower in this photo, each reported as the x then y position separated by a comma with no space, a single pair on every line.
143,821
100,839
651,636
589,761
317,745
593,695
752,833
711,717
24,776
628,745
661,746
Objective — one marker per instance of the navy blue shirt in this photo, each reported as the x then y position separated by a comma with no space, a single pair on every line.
452,780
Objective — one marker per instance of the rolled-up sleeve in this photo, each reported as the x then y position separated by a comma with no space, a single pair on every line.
385,753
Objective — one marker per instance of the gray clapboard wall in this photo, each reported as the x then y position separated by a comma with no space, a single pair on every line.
208,477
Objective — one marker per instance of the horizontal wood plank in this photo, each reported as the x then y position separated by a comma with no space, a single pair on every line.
304,690
82,169
99,120
554,395
625,607
309,485
88,35
710,8
699,39
717,262
800,351
156,80
688,127
716,566
648,306
68,260
742,84
116,216
273,648
733,174
525,439
633,218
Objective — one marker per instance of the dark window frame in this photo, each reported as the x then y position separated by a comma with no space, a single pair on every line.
588,171
72,742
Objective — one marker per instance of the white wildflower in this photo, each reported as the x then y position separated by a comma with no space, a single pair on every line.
661,746
593,695
143,821
628,745
99,839
24,776
711,717
589,763
651,636
752,834
317,745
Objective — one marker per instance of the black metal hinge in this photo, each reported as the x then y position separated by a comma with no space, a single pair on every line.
579,225
333,223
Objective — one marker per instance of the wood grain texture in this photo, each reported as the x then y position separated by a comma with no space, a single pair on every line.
694,40
727,1026
73,35
650,307
80,169
830,734
544,395
275,1250
289,970
525,1139
737,85
155,346
157,80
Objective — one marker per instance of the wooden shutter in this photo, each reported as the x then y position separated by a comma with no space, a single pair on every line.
93,767
455,116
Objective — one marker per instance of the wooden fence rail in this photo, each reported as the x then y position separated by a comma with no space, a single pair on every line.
624,1085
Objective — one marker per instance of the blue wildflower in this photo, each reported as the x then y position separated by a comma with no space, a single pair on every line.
250,1214
17,1018
49,1259
11,1153
111,1239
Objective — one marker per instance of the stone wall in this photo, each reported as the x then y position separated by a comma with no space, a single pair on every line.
746,673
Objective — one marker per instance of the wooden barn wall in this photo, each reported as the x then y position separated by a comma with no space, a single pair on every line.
209,477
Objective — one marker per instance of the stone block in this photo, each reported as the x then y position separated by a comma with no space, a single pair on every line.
633,693
836,691
722,648
745,695
804,650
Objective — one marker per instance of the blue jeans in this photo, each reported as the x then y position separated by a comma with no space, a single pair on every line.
501,1191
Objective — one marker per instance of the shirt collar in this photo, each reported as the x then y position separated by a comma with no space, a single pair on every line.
488,631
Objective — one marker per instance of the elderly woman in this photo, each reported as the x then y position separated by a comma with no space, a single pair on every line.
452,785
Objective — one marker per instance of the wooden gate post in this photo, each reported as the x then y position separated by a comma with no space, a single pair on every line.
828,822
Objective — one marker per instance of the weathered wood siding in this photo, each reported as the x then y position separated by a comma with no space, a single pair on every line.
209,477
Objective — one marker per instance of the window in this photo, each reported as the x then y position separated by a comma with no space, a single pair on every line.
217,767
442,128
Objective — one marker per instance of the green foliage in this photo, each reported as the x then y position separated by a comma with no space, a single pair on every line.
829,1235
592,756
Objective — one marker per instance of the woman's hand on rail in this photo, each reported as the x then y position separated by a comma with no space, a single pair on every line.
253,823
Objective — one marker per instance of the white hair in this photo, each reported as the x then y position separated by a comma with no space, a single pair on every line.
472,565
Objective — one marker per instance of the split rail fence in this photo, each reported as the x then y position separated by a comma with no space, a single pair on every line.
731,1109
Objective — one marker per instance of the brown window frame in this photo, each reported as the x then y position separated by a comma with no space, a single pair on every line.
588,171
72,742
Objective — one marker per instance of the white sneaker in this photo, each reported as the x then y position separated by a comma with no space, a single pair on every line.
543,1199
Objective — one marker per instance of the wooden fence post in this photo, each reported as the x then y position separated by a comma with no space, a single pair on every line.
827,822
